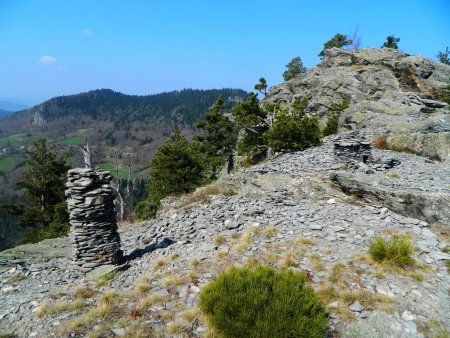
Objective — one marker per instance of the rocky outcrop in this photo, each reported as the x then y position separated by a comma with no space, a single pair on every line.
433,145
388,92
369,74
429,206
92,215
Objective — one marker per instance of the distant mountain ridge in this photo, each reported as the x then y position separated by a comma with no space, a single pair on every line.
11,106
182,107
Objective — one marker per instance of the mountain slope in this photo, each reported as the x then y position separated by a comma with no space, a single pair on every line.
4,112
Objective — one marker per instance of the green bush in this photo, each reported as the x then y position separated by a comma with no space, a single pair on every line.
398,251
294,131
263,303
146,209
333,117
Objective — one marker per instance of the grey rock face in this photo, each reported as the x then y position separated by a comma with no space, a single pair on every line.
389,92
431,206
94,233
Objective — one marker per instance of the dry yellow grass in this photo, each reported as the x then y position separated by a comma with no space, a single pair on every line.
368,299
176,328
84,292
392,175
195,263
145,303
305,241
101,311
59,307
317,263
109,297
174,280
159,264
337,272
289,260
222,255
190,314
202,194
380,141
269,232
327,293
252,262
219,239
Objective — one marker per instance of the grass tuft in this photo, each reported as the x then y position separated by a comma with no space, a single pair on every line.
396,252
380,141
59,308
84,292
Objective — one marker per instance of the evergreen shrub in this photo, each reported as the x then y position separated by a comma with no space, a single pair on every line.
261,302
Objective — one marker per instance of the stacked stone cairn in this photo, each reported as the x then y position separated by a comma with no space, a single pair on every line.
90,199
353,148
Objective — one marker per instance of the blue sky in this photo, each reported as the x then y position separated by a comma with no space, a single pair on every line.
50,48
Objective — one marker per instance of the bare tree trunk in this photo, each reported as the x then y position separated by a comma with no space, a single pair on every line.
87,156
121,200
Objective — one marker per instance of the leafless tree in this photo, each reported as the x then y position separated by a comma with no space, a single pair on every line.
122,197
355,39
87,156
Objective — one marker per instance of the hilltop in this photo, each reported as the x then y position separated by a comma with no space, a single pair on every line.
314,211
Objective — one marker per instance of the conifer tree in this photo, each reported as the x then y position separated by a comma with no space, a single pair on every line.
293,130
251,119
176,168
338,41
218,139
44,184
444,56
261,86
294,68
391,42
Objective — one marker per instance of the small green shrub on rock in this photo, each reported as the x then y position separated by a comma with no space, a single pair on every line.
293,131
333,117
261,302
398,251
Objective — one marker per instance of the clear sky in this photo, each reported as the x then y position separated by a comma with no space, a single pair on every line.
50,47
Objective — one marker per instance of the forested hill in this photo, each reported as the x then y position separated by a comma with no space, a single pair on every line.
183,106
186,105
111,121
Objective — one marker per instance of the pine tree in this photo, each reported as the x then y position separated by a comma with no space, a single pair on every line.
176,168
338,41
333,117
391,42
294,68
251,119
444,56
44,183
218,139
261,86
